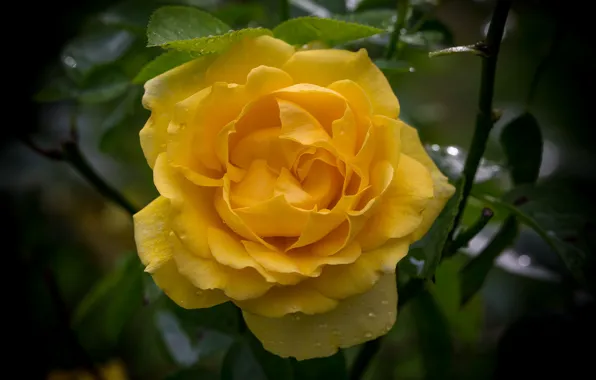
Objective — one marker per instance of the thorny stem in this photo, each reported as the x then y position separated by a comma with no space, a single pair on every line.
394,46
72,154
484,120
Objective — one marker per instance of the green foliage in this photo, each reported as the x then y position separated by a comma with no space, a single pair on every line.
303,30
425,255
522,142
103,312
434,337
101,86
474,273
378,18
176,23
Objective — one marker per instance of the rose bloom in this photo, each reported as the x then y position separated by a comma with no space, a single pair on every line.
289,187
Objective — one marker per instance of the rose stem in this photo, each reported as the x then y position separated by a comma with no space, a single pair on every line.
484,120
394,46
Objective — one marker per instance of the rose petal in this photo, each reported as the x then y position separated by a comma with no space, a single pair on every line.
412,146
234,65
151,226
354,321
409,193
256,186
299,125
283,300
238,284
323,67
182,291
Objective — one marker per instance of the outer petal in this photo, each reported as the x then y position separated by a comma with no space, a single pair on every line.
182,291
161,93
151,234
323,67
234,65
400,211
354,321
412,146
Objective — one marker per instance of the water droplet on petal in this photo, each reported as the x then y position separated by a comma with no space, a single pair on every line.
296,317
371,315
318,345
368,335
384,302
336,332
323,326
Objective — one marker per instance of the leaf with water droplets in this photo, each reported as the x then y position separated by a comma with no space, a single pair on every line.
174,23
302,30
378,18
216,43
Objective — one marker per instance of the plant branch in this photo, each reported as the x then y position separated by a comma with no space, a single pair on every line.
394,46
484,119
75,157
464,237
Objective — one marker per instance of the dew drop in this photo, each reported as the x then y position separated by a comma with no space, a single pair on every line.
384,302
317,345
296,317
368,335
323,326
336,332
371,315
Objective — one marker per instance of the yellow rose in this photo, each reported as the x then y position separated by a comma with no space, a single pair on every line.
289,187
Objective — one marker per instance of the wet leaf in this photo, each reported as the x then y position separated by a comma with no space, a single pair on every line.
176,23
302,30
522,142
378,18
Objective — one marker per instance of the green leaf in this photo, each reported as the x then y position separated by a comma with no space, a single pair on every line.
467,321
522,142
378,18
425,255
475,272
568,234
302,30
87,53
241,364
175,23
216,44
132,15
375,4
332,367
163,63
103,312
434,337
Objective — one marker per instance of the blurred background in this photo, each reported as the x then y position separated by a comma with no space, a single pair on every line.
63,238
